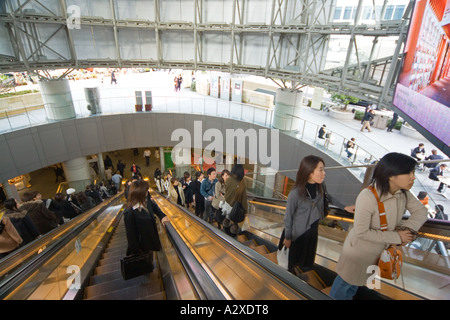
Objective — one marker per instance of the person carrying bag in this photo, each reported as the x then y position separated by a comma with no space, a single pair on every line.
391,260
392,178
141,231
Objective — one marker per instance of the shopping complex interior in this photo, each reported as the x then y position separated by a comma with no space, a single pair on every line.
88,84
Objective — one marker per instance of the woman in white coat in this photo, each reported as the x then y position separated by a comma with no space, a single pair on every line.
392,178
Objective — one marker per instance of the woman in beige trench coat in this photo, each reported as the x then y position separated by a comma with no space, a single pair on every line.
393,178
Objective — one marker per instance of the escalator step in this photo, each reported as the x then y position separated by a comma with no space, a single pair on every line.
272,257
326,290
156,296
242,238
105,277
130,293
119,283
117,253
313,279
112,249
108,268
250,243
117,239
112,259
261,249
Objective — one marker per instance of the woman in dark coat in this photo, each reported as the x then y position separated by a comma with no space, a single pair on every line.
43,219
188,193
139,218
85,201
62,207
21,221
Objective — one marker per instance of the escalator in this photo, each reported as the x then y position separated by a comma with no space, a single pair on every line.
107,283
424,274
81,260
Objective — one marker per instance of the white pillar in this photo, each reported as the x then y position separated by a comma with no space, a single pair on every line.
269,181
229,161
161,159
77,173
57,99
11,191
181,157
288,103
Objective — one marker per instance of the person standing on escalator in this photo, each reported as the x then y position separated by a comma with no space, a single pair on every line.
392,180
140,221
305,208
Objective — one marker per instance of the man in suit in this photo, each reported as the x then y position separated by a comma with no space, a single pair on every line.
436,173
433,156
418,153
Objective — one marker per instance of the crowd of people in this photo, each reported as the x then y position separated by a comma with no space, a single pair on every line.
33,216
212,196
209,195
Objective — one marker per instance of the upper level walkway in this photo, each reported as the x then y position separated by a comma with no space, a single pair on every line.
120,98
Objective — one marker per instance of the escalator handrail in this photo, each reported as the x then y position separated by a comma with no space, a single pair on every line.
288,278
428,226
19,275
202,282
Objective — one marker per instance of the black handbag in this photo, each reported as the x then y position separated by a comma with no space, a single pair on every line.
237,212
136,265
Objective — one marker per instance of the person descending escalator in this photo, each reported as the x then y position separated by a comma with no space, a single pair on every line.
139,218
306,206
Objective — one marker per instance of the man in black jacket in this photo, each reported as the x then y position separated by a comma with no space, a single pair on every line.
436,173
199,200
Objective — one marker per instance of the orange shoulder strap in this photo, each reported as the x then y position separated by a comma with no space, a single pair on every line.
383,220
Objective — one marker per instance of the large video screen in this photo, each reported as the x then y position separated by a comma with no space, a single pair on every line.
423,89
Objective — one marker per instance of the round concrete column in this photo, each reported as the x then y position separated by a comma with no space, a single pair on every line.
288,103
181,157
77,173
57,99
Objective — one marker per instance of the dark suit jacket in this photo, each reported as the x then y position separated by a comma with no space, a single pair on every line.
434,173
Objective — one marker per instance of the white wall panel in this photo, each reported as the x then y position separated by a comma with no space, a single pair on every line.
86,136
48,6
137,44
177,45
258,11
217,11
255,48
216,47
177,10
5,42
57,42
89,8
135,9
94,43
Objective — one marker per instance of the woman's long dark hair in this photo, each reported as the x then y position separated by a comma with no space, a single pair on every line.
238,171
137,193
307,166
392,164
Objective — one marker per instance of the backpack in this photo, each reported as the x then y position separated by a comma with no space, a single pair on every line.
391,260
